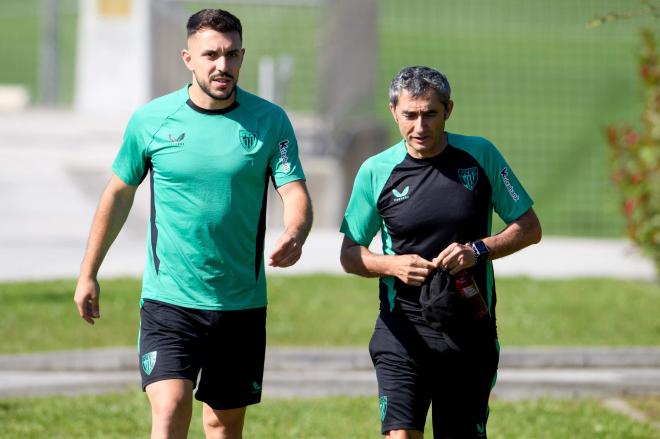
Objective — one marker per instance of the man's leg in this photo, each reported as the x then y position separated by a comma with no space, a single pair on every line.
460,404
171,408
232,371
223,424
404,434
404,397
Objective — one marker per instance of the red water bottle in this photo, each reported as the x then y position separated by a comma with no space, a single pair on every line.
468,290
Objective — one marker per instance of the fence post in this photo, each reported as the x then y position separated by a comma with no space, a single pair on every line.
48,50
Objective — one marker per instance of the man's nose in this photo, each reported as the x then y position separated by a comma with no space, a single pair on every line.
419,124
221,63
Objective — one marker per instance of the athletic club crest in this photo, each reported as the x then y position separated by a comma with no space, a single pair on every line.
148,362
248,140
469,177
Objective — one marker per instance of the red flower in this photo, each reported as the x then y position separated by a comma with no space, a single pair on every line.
617,175
629,206
632,138
645,71
636,178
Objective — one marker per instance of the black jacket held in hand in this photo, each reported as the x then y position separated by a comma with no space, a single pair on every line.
445,310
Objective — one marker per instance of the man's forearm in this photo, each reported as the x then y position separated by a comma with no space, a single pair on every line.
109,218
521,233
359,260
298,216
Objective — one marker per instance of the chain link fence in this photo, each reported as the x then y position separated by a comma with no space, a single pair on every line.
527,75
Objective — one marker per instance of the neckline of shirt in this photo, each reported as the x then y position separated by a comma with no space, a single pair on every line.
199,109
427,159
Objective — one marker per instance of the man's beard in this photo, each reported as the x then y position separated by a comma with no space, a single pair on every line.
223,96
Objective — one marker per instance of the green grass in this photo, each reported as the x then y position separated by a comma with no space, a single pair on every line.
327,310
19,45
649,406
127,415
541,419
530,77
19,33
595,312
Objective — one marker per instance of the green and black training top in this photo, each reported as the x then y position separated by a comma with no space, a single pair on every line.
420,206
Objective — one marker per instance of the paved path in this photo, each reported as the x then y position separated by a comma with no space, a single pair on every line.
314,372
54,164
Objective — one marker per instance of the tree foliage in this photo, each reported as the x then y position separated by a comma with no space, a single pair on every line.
635,154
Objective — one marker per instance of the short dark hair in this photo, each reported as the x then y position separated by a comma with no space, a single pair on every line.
416,80
217,19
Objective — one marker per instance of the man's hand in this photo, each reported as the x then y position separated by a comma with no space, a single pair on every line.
111,214
358,259
297,221
86,299
411,269
455,258
287,251
524,231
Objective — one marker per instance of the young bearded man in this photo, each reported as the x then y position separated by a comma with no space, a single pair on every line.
209,150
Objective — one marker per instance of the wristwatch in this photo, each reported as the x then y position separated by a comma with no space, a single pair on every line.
480,251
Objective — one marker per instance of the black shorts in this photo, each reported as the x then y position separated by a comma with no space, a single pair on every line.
417,365
227,346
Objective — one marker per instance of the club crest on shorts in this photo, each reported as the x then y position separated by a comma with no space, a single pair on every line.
148,361
469,177
248,140
383,407
481,430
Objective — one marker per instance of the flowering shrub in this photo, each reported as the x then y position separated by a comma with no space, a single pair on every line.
635,159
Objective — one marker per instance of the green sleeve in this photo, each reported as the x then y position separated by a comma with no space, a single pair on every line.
362,219
131,162
284,161
509,198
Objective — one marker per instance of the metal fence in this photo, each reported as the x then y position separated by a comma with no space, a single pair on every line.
527,75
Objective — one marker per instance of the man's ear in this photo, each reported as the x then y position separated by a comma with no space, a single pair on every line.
448,109
187,58
393,112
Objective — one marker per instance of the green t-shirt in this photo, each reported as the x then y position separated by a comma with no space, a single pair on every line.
209,172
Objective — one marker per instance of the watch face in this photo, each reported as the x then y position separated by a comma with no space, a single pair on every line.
480,247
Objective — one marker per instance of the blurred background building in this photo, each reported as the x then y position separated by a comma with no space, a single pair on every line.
527,75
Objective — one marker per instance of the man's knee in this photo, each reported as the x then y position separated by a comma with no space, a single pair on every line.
169,407
404,434
223,423
171,403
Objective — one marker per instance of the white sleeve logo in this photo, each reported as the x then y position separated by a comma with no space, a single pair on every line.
505,178
284,146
